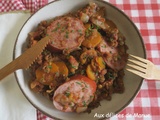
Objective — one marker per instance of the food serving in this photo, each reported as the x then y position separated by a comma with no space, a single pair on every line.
84,62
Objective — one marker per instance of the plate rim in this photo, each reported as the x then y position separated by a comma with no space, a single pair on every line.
116,8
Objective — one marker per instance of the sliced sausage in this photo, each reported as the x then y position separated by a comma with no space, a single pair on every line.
67,33
115,57
74,95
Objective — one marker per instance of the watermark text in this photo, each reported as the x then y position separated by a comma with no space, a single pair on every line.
128,115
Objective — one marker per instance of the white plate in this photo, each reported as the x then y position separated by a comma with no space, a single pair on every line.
133,40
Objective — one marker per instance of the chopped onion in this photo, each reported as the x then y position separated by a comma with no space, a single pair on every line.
84,18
